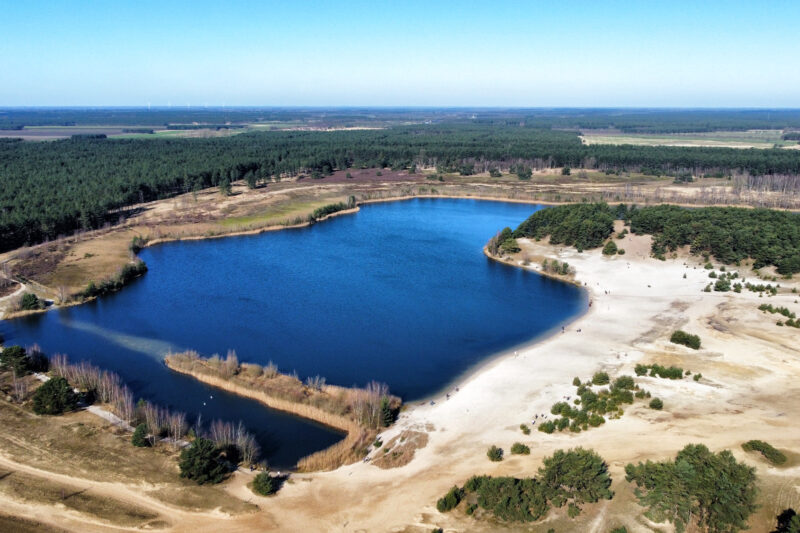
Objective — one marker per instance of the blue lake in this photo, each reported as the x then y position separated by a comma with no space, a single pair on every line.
399,292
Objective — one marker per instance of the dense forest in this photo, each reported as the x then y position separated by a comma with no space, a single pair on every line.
627,119
728,234
50,189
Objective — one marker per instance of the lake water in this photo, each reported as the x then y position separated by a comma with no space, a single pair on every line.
399,292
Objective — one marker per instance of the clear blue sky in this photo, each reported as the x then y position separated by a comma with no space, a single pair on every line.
419,53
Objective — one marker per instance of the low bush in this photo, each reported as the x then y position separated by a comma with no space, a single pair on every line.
656,404
30,302
771,454
686,339
600,378
610,248
495,454
520,449
139,438
450,500
264,484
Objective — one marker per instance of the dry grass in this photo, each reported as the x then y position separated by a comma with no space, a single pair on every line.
400,450
348,451
36,490
22,525
328,404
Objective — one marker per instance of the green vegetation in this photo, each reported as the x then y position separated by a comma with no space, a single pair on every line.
791,321
520,449
712,492
139,438
594,406
686,339
569,478
201,462
788,522
671,372
126,274
656,404
450,500
610,248
264,484
581,225
494,453
730,234
30,302
15,358
525,429
329,209
555,267
772,454
503,242
54,397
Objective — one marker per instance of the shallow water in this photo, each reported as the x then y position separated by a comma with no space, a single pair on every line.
399,292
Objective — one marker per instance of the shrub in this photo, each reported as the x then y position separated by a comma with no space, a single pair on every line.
624,383
548,427
16,359
656,404
698,377
771,454
201,462
621,251
686,339
577,476
450,500
641,370
139,438
610,248
495,454
520,449
54,397
30,302
525,429
576,381
600,378
264,484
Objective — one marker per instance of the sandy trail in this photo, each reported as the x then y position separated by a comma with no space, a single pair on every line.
750,368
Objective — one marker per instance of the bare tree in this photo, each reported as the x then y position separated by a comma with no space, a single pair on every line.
19,387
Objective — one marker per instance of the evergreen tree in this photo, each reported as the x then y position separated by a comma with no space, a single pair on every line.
54,397
201,462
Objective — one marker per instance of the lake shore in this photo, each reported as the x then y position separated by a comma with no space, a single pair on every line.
750,371
749,368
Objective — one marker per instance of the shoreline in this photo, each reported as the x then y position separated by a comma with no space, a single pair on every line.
340,453
495,358
278,227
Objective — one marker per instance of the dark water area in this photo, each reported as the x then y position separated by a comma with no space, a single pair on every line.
399,292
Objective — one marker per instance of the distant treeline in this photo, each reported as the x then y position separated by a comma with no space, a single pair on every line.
205,126
728,234
51,189
792,136
627,120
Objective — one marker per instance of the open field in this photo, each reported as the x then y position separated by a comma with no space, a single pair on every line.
721,139
750,371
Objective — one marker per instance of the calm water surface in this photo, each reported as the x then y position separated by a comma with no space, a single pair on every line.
399,292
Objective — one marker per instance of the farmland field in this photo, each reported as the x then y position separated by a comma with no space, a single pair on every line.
723,139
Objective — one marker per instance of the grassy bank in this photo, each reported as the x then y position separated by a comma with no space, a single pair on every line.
361,413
